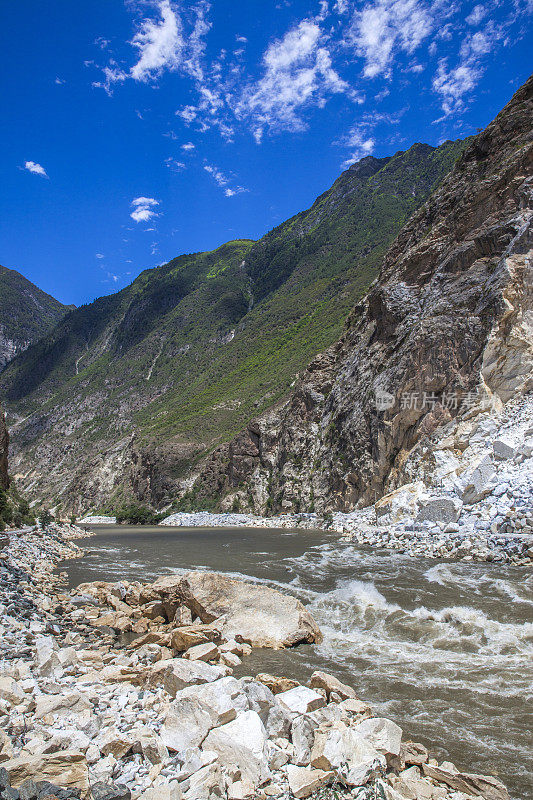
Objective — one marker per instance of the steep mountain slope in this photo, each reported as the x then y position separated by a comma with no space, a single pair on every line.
26,314
4,441
127,395
451,314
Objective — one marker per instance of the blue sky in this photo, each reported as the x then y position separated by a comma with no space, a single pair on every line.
135,131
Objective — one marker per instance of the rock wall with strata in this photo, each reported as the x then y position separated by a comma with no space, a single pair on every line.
449,316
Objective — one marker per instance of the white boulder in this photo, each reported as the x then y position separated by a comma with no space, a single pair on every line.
301,700
242,743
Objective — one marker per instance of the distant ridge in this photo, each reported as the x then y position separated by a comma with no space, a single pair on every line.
26,314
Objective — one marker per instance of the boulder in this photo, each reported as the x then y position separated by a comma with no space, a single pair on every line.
190,635
343,749
46,658
476,785
355,707
67,768
476,482
303,781
413,753
163,791
223,699
175,674
61,704
202,652
440,509
301,700
302,737
255,613
111,741
110,791
504,448
206,784
274,715
243,744
383,734
322,680
276,684
185,725
400,503
10,690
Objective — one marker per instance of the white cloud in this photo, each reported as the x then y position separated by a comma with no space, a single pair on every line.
164,44
160,44
382,27
298,72
35,168
454,84
59,81
231,192
242,39
341,7
218,176
477,14
359,141
188,146
187,113
174,165
100,255
223,181
143,208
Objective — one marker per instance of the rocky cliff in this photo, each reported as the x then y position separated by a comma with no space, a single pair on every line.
4,441
448,323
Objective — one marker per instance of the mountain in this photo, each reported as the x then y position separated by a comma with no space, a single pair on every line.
26,314
447,327
126,397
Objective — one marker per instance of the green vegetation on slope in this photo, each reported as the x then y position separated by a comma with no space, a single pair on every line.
188,353
26,312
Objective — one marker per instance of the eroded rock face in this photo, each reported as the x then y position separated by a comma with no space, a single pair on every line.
450,312
4,442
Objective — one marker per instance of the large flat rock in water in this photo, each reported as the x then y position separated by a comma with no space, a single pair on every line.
263,616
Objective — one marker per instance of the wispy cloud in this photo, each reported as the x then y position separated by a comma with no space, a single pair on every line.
100,255
35,168
160,44
305,67
174,165
223,181
188,146
144,208
171,41
456,84
360,144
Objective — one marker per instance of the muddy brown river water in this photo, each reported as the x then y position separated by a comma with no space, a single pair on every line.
444,649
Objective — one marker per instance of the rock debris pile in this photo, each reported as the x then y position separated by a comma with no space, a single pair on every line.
85,712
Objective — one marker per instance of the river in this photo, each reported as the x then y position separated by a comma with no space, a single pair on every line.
444,649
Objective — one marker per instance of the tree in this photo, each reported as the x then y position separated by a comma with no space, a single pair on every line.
45,518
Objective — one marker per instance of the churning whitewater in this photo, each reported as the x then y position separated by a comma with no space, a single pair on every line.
445,649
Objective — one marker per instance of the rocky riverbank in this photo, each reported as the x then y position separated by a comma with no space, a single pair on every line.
466,494
126,690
